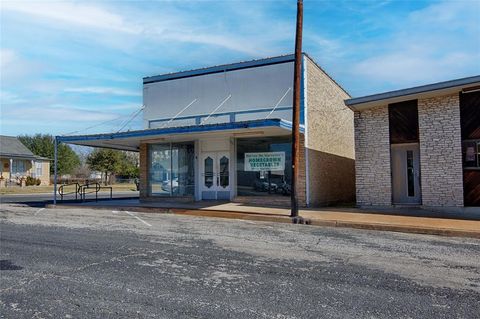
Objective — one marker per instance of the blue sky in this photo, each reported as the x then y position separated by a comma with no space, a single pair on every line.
70,65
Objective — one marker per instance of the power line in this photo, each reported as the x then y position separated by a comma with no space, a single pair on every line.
105,122
134,115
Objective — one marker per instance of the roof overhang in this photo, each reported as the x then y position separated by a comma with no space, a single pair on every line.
24,157
131,140
418,92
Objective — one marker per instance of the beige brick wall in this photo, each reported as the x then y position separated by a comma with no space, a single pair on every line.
440,151
45,178
5,169
302,180
330,140
372,157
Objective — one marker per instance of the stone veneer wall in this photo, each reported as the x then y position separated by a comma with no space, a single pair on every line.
330,141
372,157
440,151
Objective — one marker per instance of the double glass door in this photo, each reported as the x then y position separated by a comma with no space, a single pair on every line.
215,175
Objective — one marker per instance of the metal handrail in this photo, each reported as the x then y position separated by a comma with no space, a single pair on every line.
82,190
62,193
84,187
97,187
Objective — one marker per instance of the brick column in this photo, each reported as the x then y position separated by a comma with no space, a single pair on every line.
372,157
441,151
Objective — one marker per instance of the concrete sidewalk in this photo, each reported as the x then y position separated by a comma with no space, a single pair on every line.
333,217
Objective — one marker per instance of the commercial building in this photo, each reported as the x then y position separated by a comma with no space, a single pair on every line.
419,146
18,162
224,133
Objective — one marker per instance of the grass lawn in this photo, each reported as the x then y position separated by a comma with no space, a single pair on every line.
49,189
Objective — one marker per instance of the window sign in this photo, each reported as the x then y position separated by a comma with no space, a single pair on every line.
265,161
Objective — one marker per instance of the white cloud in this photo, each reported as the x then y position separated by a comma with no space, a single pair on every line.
410,67
53,114
72,13
7,58
175,26
440,42
103,90
14,67
7,97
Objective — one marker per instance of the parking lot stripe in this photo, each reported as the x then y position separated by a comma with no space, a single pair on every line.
138,218
38,211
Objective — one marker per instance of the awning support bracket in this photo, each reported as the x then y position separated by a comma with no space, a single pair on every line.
278,103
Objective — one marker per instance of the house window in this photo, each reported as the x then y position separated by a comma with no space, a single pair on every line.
38,169
18,167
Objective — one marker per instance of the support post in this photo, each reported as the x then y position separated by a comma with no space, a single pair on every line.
55,171
11,169
296,110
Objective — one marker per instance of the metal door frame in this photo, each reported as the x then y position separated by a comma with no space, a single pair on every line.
394,148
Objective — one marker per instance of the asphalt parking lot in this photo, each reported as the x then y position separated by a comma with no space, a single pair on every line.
83,263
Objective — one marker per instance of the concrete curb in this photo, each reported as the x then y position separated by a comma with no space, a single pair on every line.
450,232
286,219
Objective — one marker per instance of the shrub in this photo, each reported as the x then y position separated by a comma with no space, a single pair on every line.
31,181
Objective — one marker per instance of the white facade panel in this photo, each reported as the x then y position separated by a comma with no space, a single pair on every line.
244,90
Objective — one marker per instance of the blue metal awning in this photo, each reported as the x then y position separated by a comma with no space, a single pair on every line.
130,140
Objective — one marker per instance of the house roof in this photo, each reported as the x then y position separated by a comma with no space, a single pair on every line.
10,146
423,91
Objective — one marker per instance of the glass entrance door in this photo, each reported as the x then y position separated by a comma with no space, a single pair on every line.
215,175
406,174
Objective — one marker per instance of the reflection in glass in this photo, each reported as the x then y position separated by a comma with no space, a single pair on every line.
160,167
410,174
171,169
271,183
209,172
224,172
182,169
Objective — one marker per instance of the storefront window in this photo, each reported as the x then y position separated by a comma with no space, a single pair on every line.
264,166
172,169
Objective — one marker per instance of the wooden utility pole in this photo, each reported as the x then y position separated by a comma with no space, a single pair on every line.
296,110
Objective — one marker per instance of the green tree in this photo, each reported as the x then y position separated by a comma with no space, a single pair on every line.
110,162
129,167
106,161
44,145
